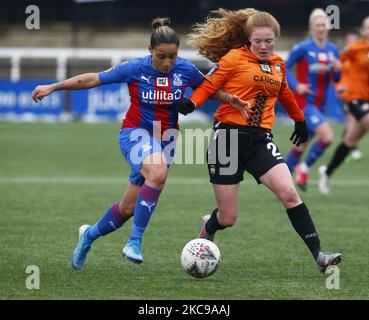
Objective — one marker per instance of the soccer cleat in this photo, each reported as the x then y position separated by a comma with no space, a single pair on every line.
203,233
82,248
356,154
301,178
323,185
132,251
326,259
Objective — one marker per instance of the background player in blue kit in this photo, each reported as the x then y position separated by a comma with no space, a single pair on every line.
317,65
155,83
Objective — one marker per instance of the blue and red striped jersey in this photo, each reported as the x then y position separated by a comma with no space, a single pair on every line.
314,66
152,92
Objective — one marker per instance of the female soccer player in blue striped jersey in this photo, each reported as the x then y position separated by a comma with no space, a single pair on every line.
317,66
156,82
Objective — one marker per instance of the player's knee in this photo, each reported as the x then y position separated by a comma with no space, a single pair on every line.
289,196
126,210
349,143
158,175
327,140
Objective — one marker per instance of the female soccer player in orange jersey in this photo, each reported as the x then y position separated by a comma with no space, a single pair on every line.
357,123
242,44
342,88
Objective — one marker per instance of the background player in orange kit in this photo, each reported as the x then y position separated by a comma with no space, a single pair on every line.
342,90
357,123
242,44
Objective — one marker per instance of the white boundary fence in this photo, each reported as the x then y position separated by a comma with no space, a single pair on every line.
62,55
104,103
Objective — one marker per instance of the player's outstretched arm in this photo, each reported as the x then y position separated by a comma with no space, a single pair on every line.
82,81
234,101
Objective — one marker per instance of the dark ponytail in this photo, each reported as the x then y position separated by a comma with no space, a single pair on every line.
162,33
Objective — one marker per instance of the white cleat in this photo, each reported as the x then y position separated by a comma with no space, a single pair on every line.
203,233
132,251
323,185
326,259
356,154
82,229
83,247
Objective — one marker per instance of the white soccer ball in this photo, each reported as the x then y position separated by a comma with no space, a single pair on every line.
200,258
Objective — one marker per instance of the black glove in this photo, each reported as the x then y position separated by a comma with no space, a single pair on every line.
300,134
184,106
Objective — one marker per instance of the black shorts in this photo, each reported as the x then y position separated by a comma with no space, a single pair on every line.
358,108
235,149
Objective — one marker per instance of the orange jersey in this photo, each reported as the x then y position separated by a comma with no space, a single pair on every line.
358,76
239,72
345,73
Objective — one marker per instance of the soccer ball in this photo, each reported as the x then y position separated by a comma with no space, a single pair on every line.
200,258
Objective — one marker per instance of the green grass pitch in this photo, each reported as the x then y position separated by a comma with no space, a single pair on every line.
56,177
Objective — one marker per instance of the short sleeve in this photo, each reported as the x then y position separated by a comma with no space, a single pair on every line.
196,77
223,70
118,74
